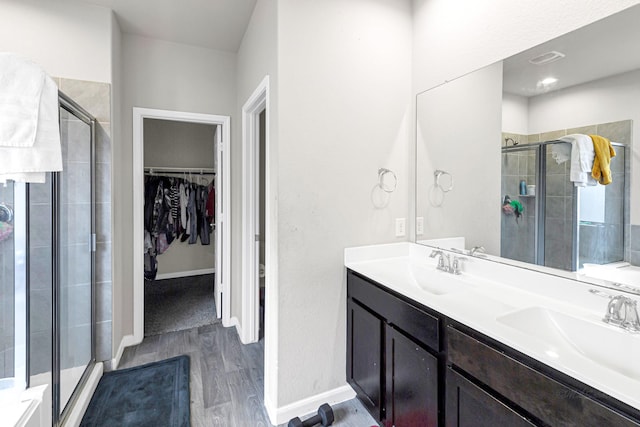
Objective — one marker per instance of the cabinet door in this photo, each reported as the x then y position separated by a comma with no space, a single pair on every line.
364,356
470,406
411,382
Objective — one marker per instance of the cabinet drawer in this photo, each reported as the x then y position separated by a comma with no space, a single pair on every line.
543,397
470,406
412,320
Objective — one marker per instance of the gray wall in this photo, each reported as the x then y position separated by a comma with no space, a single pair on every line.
178,144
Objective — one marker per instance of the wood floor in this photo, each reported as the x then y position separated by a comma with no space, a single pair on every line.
227,377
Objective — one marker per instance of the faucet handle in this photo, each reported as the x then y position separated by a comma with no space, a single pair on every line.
631,319
614,313
477,250
456,267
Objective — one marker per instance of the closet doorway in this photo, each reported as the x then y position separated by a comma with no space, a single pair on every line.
181,185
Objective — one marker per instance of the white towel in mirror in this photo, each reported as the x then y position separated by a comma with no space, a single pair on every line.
25,157
582,155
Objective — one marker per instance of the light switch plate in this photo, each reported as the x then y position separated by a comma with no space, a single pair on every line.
420,226
400,227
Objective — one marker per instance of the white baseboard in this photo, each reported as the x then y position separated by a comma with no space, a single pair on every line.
177,274
272,411
233,321
310,405
80,406
127,341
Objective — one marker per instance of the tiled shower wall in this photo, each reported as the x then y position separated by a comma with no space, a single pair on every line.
559,217
95,97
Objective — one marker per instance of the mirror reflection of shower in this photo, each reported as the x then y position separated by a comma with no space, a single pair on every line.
547,220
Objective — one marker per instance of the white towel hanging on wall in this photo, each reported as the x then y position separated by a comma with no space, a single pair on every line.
30,136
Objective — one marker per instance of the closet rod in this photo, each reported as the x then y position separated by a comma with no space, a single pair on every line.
163,169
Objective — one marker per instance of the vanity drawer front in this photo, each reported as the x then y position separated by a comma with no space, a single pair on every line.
543,397
420,325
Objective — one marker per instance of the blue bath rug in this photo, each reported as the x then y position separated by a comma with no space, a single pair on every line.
155,394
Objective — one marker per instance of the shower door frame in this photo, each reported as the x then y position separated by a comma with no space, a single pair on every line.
59,416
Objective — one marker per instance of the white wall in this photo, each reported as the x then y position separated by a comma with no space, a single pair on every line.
257,58
168,76
602,101
68,39
455,37
461,138
344,111
117,215
515,114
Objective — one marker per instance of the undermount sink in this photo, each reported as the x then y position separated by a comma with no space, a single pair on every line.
606,345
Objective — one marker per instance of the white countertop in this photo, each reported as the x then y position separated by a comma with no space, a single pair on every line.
520,308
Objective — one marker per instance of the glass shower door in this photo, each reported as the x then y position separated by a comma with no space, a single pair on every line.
518,239
75,249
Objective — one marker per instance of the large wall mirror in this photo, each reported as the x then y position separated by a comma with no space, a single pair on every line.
496,152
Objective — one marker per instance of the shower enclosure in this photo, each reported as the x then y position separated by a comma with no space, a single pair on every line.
561,225
47,250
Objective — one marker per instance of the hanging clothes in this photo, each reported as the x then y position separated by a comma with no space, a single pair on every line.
174,209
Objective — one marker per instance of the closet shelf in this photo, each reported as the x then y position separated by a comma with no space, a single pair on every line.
165,169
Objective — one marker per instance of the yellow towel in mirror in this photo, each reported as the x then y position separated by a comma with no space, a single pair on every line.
604,151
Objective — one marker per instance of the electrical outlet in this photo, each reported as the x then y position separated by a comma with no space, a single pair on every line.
420,226
400,227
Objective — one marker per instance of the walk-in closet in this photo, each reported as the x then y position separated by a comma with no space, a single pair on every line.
179,225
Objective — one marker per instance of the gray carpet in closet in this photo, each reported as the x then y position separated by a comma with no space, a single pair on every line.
178,304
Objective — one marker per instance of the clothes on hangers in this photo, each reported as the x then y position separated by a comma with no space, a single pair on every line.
174,209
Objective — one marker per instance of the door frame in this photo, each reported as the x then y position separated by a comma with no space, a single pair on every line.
139,114
250,318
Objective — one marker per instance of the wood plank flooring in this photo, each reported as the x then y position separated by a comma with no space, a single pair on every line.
227,377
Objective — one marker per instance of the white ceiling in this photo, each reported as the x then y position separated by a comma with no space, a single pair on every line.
604,48
214,24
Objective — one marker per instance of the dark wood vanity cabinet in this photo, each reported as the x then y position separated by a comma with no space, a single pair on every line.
390,356
411,382
517,388
468,405
411,366
364,356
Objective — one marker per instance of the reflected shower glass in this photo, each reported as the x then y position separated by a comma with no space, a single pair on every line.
601,217
41,282
518,230
75,248
7,287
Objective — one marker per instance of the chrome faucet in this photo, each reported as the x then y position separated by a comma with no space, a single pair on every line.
622,311
448,266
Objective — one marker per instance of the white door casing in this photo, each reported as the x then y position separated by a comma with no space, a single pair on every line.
223,271
250,319
220,222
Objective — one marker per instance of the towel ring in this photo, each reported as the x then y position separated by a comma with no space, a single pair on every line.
381,181
439,174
